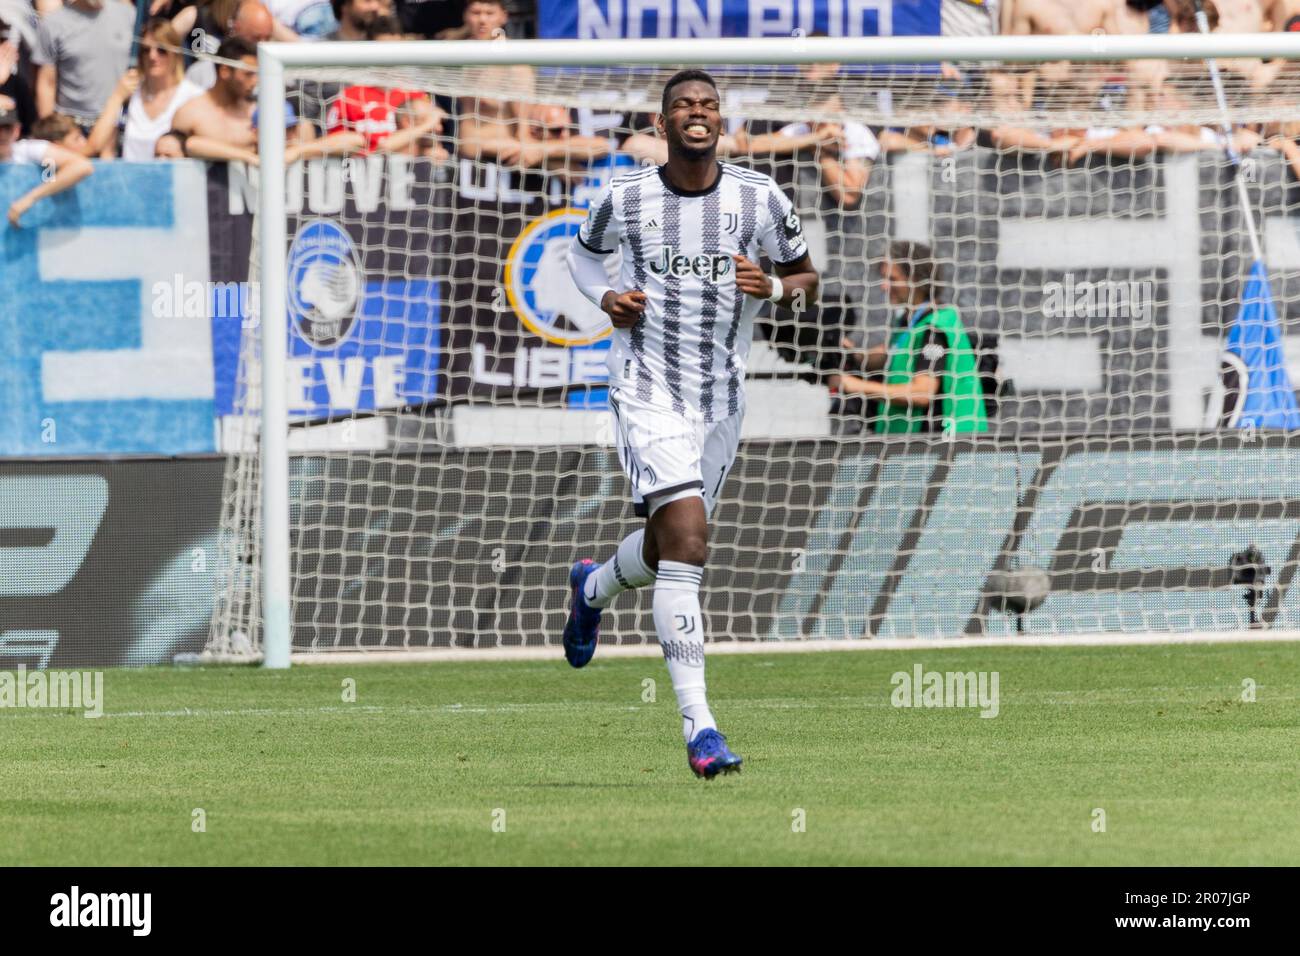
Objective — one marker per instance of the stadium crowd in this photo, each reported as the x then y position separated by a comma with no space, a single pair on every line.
77,83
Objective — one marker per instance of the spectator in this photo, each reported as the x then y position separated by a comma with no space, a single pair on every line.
221,124
1192,137
15,92
310,19
69,167
938,140
1068,146
374,112
760,140
428,18
931,375
1047,18
481,20
206,25
511,132
552,141
355,17
417,131
84,48
170,145
844,153
62,130
152,92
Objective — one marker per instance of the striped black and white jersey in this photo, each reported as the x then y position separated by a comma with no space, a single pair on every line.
688,352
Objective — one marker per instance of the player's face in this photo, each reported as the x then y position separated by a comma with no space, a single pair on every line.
694,119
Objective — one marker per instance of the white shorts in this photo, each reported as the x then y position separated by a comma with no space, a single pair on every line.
668,455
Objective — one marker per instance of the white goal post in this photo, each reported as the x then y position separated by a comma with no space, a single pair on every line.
280,64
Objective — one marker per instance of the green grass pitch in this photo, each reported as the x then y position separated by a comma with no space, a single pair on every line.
533,763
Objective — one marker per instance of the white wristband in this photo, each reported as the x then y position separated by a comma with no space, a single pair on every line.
778,290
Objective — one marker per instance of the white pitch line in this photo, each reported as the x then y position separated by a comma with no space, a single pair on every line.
553,653
1054,698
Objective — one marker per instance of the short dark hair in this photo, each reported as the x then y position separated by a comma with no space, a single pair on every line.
384,25
917,262
235,48
685,76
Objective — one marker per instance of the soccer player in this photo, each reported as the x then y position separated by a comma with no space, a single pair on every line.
688,288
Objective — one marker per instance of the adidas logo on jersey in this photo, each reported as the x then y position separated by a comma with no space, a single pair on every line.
702,266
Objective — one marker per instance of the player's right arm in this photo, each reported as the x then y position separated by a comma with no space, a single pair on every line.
598,238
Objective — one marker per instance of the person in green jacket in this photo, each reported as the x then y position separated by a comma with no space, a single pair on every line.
931,379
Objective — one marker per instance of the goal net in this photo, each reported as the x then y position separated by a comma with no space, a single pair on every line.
1087,223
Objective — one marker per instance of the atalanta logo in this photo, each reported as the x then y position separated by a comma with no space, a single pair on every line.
541,291
325,282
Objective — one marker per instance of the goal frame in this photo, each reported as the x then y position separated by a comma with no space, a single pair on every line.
275,58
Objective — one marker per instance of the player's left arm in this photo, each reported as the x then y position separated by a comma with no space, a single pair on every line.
799,282
780,237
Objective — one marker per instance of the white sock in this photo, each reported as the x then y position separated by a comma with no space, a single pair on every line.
625,570
680,627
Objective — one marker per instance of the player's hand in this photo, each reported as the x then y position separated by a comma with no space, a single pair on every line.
750,279
624,309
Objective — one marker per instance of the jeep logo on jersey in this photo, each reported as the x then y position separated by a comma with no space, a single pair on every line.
702,266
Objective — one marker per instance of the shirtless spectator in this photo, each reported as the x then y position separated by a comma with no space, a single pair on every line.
508,132
220,123
939,140
69,167
1066,146
1192,137
1047,18
548,132
1133,17
1254,16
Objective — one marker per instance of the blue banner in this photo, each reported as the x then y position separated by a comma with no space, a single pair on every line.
102,354
1255,341
664,19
